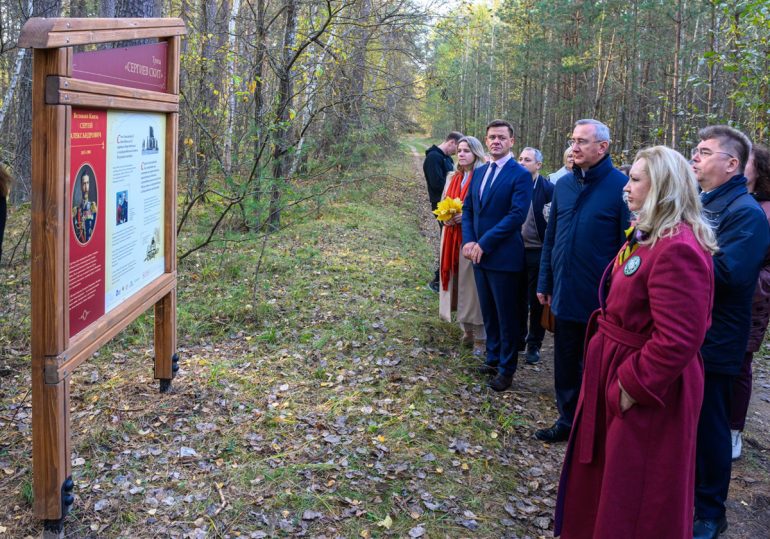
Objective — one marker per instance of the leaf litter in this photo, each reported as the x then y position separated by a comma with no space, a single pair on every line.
346,414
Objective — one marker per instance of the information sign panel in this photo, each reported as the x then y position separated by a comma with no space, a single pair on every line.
117,209
87,218
135,192
141,66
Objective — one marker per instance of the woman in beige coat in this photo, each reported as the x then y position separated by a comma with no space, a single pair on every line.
457,290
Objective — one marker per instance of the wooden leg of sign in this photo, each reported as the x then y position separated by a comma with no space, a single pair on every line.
53,485
166,358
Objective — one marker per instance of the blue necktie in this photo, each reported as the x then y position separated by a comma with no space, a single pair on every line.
490,179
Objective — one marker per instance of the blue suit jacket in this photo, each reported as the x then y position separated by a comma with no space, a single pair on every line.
495,221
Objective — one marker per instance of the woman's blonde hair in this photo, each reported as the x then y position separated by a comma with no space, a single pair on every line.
672,199
566,155
476,149
5,181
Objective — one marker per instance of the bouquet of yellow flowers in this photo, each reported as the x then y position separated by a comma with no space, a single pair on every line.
448,208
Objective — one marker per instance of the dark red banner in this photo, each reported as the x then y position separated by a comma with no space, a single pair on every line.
87,207
142,66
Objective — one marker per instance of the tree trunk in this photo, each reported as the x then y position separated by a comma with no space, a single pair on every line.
107,8
137,8
228,152
281,142
675,82
23,150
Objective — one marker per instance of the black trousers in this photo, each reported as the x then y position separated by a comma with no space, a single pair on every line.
568,343
529,307
713,452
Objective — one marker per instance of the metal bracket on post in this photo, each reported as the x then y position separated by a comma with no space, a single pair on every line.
55,528
165,383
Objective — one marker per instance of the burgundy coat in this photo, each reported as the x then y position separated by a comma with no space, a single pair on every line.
632,474
760,303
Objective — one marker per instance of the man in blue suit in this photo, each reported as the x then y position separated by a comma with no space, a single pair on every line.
500,195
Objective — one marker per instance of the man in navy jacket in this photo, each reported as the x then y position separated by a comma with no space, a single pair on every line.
533,233
494,210
586,228
743,237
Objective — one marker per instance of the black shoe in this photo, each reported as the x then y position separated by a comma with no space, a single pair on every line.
533,355
488,369
557,433
501,382
708,528
433,285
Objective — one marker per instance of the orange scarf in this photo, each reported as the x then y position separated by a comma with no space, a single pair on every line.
453,235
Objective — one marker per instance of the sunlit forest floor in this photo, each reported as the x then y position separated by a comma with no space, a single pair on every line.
327,400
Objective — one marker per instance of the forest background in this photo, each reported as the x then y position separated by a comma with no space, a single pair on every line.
279,97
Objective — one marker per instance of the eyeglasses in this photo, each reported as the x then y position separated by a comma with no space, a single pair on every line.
705,152
582,143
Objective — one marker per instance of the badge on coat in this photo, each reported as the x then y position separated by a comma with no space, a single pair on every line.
632,265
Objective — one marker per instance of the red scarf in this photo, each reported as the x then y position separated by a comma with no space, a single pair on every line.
453,235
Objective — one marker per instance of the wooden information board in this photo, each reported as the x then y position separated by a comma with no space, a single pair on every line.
104,155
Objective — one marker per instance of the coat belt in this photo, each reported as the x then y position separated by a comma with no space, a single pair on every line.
592,380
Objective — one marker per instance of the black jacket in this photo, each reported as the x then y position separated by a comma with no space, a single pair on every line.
542,194
3,214
436,166
743,238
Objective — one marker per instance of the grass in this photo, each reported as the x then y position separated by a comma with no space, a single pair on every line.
328,385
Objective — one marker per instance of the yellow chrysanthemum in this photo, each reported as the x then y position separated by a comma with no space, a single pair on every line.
447,208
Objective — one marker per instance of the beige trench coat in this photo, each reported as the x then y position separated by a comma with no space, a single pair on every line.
467,299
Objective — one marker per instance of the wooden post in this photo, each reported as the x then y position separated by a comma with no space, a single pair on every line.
50,402
166,360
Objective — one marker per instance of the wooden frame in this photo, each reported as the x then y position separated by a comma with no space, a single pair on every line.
55,355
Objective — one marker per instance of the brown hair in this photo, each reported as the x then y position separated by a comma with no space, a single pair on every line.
761,156
5,181
737,144
672,199
500,123
454,135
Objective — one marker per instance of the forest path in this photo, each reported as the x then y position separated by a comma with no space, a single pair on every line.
749,499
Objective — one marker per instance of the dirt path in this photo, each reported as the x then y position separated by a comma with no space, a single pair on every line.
339,405
749,500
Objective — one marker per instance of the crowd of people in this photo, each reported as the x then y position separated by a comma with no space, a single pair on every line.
657,275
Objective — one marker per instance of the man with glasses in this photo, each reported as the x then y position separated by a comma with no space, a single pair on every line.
586,228
533,233
743,237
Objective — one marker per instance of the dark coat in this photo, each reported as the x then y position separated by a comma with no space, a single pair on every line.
632,474
3,217
743,236
760,303
586,227
542,194
436,166
495,221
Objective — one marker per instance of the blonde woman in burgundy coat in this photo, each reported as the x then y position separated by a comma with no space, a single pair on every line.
629,470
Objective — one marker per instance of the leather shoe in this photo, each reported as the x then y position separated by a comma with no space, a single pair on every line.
533,355
501,382
488,369
556,433
709,528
